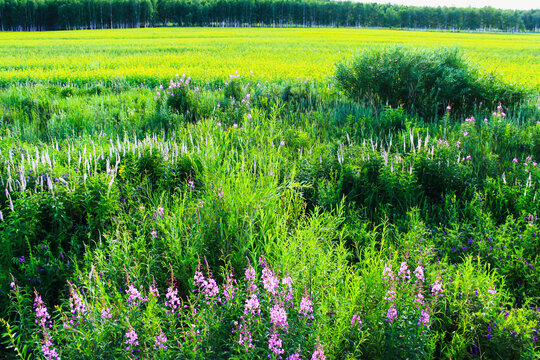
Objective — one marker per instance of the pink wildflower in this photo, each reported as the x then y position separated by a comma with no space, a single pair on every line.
275,344
391,314
318,354
160,341
306,307
424,318
132,340
356,320
278,316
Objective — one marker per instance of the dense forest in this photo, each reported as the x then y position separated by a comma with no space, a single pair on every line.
24,15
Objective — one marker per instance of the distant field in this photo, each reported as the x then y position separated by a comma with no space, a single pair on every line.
151,55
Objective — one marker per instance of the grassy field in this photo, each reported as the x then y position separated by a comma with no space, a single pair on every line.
152,55
388,210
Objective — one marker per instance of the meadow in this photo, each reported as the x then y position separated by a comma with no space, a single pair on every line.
276,201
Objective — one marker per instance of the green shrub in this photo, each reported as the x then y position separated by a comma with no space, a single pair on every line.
233,88
179,98
423,81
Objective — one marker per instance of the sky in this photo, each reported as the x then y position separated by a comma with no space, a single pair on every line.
498,4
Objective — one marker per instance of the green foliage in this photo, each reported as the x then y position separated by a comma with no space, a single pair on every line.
422,81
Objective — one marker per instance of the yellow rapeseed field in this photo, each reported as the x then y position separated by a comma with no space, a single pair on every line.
151,55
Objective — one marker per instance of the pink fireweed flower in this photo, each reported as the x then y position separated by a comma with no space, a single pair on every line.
208,286
275,344
235,125
220,195
515,161
306,307
295,356
282,143
287,283
198,279
250,273
49,352
252,306
390,296
160,341
154,290
250,276
42,315
219,124
448,108
419,300
469,157
229,289
132,340
244,335
356,321
160,211
492,290
249,116
318,354
278,317
106,313
391,314
419,273
437,289
270,282
173,302
404,271
134,296
387,272
211,289
424,318
76,303
154,234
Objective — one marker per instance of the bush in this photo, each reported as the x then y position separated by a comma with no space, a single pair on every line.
233,88
422,81
179,98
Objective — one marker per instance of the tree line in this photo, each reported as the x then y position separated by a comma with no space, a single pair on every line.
34,15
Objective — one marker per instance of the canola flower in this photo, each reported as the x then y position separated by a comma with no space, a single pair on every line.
130,55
